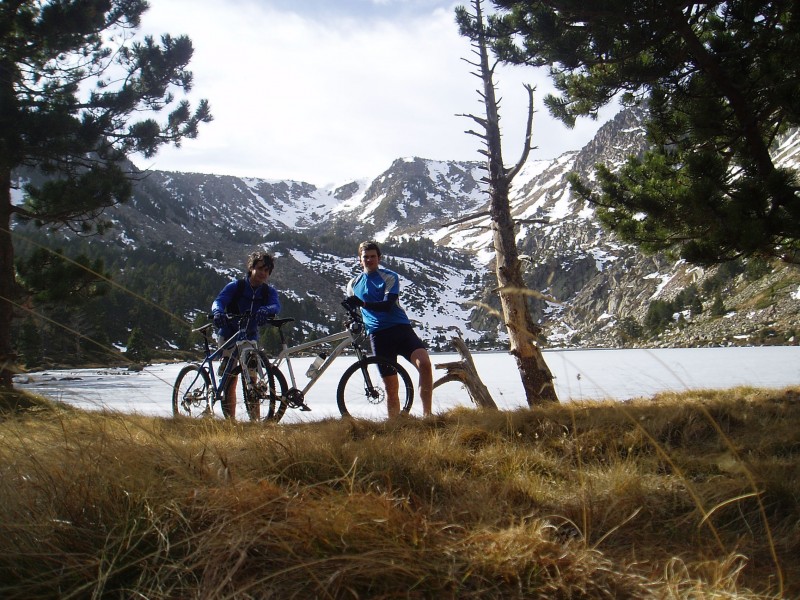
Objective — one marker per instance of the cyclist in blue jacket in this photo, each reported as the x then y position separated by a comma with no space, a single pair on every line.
376,292
254,295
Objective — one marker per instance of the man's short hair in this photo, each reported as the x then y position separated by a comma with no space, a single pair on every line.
259,256
368,246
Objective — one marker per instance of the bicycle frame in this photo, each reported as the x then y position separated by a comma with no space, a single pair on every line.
242,351
346,338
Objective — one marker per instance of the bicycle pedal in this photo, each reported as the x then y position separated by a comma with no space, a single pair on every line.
305,407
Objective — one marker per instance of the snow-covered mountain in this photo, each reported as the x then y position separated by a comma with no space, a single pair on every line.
589,283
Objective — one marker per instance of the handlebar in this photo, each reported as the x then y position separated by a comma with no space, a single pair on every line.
242,318
353,312
356,322
207,326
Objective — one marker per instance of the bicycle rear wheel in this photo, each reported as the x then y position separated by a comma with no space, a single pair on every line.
265,387
192,395
362,390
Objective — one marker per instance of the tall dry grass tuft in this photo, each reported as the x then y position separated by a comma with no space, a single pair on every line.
680,496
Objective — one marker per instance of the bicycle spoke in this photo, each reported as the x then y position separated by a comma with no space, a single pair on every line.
191,394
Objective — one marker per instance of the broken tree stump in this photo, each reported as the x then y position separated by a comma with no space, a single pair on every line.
465,372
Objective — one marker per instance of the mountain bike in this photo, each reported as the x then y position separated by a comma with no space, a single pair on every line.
362,387
197,388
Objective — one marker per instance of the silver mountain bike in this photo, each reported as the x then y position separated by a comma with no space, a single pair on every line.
362,388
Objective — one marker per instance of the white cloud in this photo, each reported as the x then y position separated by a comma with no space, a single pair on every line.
340,91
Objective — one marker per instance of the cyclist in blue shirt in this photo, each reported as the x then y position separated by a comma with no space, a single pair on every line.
376,291
254,295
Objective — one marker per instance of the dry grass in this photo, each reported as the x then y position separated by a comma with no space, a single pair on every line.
680,496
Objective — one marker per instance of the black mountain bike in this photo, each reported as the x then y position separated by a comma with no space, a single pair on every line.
198,387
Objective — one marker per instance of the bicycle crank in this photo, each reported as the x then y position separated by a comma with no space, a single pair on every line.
295,399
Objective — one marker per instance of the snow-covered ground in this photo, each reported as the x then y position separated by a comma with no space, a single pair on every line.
580,375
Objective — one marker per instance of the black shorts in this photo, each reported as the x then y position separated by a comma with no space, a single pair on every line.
396,340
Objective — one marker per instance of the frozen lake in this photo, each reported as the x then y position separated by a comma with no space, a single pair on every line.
580,375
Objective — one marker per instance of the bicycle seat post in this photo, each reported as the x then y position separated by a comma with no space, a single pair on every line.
206,342
281,335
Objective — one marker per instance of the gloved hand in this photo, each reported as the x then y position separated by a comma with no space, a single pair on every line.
220,320
353,302
263,315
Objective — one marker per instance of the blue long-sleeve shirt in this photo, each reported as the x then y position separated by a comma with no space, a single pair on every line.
379,291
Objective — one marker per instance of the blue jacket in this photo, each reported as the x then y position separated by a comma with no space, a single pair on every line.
237,298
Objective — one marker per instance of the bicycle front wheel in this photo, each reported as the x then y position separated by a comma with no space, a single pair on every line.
275,398
192,395
264,389
363,392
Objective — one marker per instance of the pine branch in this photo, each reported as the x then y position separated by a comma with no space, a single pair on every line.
475,133
528,135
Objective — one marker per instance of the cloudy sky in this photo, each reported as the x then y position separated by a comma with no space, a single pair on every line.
327,91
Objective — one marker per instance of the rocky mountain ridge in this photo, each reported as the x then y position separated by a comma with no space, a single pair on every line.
591,290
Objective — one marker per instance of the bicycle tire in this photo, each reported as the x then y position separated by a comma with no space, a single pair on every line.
192,395
269,390
361,389
276,402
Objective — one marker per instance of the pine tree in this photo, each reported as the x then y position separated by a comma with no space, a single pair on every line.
718,307
720,81
138,349
630,330
51,118
30,343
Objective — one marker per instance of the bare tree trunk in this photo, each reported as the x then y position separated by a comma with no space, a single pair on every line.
464,371
536,378
7,279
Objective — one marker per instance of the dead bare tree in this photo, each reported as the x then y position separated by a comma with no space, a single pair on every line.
537,379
